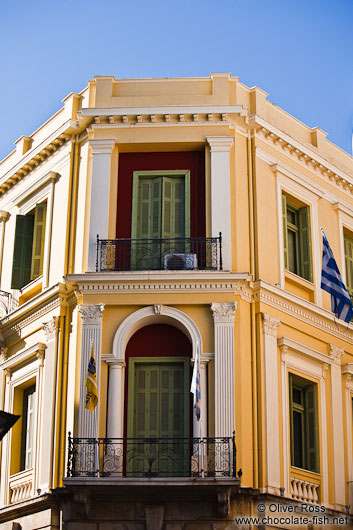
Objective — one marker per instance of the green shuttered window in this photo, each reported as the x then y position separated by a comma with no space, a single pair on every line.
297,239
303,424
28,247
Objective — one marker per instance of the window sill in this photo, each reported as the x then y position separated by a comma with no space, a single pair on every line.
30,290
299,286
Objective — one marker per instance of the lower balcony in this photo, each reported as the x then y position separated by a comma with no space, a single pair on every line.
192,253
152,458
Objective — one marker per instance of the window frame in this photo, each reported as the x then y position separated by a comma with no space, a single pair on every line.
304,386
138,175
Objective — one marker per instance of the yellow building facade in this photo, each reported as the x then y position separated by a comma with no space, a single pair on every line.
151,220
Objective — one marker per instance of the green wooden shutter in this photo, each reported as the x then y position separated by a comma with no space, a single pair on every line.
305,244
311,428
38,240
285,238
22,255
348,254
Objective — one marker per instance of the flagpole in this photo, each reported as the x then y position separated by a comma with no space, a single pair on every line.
96,414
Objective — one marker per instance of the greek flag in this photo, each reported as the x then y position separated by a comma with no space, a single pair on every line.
331,281
195,383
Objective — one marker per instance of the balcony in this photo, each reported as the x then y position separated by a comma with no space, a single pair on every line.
192,253
149,458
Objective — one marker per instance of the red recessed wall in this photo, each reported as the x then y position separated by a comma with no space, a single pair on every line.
191,160
156,340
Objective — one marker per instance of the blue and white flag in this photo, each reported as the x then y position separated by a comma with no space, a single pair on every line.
331,281
195,383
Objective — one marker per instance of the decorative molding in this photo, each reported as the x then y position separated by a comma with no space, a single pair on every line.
286,344
4,215
46,179
223,312
37,350
335,353
15,327
301,309
301,154
270,324
35,158
158,309
101,146
163,111
91,314
220,144
147,315
51,327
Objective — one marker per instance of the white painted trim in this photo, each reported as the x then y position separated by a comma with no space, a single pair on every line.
311,363
116,360
347,371
149,315
284,183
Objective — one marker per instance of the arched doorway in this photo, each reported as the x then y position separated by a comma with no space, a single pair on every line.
157,402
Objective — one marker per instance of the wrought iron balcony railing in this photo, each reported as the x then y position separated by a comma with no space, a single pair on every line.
190,253
152,457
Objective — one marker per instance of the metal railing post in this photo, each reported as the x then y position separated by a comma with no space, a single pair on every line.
69,456
97,252
220,252
234,456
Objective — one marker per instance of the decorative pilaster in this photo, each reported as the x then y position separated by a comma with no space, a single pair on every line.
223,316
220,147
273,477
347,371
91,334
101,150
336,353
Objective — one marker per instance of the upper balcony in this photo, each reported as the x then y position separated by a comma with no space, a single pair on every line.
192,253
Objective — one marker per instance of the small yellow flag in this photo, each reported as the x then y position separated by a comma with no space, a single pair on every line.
91,384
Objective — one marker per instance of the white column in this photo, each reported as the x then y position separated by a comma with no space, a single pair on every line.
223,316
273,477
337,431
200,430
100,187
91,334
220,193
115,427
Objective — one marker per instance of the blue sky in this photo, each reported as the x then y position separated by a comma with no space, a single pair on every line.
300,52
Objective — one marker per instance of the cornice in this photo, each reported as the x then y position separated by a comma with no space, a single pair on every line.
301,309
153,112
34,309
301,154
37,350
35,157
285,343
156,282
51,176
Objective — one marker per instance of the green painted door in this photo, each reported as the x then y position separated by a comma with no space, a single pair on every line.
158,413
160,214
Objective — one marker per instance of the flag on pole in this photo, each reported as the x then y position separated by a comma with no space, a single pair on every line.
331,281
195,383
91,384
